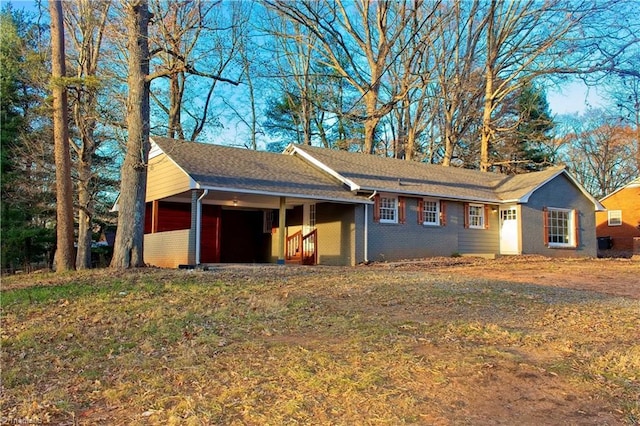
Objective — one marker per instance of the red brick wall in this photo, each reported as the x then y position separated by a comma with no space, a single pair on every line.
627,200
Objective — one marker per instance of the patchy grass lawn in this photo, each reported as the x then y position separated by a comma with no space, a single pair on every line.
430,343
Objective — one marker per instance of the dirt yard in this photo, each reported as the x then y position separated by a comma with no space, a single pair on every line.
524,392
620,277
444,341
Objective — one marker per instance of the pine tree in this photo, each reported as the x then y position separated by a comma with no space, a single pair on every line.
25,208
527,127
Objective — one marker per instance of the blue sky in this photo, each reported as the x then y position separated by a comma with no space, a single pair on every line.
572,98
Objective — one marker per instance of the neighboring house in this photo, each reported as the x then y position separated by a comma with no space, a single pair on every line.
620,224
210,204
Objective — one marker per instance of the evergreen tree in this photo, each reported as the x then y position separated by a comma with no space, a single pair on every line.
526,134
26,204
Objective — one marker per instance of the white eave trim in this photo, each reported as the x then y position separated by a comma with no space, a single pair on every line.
446,197
283,194
156,151
294,150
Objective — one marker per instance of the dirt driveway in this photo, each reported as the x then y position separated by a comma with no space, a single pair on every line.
620,277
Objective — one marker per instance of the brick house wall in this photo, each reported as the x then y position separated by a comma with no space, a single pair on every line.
168,249
397,241
627,200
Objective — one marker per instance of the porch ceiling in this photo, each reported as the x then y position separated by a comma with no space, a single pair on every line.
240,200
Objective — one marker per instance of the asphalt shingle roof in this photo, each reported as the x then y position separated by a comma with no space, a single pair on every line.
517,186
216,166
387,174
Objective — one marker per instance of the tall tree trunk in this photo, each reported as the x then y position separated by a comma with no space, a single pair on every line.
369,136
306,117
64,258
411,135
85,22
253,119
176,92
371,121
85,215
130,234
448,146
489,96
322,133
486,132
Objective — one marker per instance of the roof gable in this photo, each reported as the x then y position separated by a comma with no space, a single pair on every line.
233,169
633,184
520,187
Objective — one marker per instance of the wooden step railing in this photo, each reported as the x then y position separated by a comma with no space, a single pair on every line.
302,249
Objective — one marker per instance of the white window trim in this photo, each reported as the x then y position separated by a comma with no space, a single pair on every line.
482,216
389,197
437,203
570,227
617,217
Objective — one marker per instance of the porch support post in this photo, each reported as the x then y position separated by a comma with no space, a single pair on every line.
193,230
282,229
154,216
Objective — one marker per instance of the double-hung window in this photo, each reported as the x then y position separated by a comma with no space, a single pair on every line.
388,209
476,216
560,227
430,212
614,217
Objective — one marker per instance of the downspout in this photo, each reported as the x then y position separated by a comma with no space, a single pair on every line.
199,223
366,228
366,231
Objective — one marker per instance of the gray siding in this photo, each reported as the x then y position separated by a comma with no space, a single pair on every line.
478,241
560,193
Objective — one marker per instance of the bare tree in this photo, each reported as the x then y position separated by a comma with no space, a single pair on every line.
294,53
624,94
250,63
131,206
523,40
600,152
86,21
64,216
457,94
180,35
412,73
611,45
358,40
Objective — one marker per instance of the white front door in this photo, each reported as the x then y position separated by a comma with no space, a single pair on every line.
509,230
